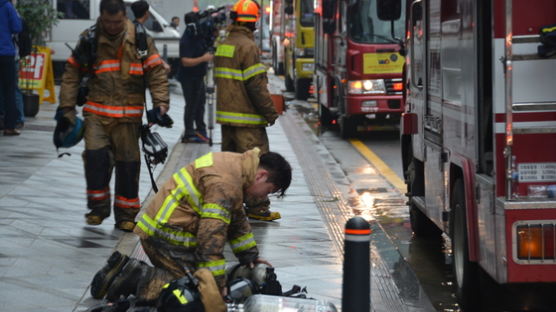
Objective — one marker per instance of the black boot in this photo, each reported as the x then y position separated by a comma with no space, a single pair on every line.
126,282
105,276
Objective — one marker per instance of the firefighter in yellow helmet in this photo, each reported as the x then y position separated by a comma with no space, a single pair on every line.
119,67
244,106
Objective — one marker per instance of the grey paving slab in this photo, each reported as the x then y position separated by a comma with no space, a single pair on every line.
48,254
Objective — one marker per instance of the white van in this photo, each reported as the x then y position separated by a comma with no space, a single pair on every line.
78,15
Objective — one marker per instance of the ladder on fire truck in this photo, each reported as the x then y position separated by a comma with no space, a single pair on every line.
507,60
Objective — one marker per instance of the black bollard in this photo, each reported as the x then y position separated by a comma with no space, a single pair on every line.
356,290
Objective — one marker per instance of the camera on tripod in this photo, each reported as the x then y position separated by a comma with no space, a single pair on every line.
205,24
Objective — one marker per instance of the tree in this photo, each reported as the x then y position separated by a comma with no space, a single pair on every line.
40,16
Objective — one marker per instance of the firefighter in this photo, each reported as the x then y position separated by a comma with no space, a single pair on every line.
118,73
189,221
244,105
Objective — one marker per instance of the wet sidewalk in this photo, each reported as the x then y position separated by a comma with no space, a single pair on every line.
48,255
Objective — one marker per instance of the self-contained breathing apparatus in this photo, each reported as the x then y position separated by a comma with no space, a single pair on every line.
249,290
85,53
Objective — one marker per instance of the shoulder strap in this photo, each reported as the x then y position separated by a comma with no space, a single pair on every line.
85,53
141,40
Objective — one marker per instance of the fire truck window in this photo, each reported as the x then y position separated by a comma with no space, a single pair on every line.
73,9
450,10
307,13
417,46
328,9
364,25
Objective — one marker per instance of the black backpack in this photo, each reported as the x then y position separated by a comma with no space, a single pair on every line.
23,40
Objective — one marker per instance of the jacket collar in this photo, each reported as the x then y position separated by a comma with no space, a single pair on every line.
249,166
128,33
242,30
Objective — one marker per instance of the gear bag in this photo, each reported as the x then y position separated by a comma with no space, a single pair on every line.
547,37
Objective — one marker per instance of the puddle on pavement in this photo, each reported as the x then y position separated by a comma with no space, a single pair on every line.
429,260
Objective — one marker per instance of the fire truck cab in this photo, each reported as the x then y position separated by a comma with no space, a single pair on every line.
358,67
478,136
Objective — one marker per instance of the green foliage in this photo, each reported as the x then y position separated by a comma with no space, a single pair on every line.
40,16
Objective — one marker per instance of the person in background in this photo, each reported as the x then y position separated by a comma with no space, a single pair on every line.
194,57
20,122
175,23
10,24
141,11
244,107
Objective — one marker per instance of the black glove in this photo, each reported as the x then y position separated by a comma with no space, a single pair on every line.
65,116
154,116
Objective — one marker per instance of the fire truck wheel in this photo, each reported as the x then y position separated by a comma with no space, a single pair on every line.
347,127
421,225
465,271
325,116
302,89
289,83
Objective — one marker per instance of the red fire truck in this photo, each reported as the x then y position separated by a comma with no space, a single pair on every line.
277,35
478,137
358,67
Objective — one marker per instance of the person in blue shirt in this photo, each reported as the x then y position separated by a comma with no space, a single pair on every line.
10,24
194,58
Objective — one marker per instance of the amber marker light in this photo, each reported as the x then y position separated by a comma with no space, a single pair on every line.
398,86
529,242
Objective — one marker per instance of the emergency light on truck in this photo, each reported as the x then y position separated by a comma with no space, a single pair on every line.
535,242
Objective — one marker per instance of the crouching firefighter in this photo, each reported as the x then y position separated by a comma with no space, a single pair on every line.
184,229
117,71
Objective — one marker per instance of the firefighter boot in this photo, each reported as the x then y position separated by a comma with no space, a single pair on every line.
126,202
98,170
98,214
263,215
259,209
128,279
105,276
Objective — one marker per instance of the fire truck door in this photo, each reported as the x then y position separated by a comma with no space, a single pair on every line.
426,91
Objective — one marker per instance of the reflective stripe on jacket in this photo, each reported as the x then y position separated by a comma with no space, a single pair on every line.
201,208
117,86
242,94
113,111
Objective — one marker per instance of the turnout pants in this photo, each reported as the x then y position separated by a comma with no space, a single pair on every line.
110,142
240,140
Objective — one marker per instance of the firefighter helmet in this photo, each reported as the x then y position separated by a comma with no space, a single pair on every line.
247,11
180,295
233,11
67,134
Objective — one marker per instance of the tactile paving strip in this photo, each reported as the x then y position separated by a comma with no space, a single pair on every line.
332,204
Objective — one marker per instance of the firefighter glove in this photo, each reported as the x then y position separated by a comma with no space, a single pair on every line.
66,116
154,116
